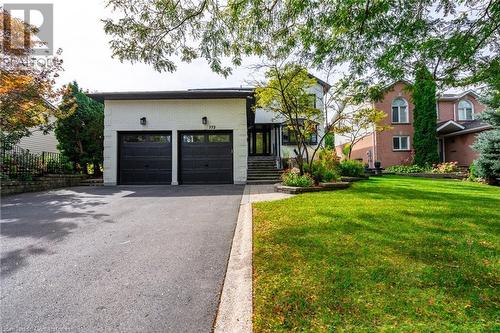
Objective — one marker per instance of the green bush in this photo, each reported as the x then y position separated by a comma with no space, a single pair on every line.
324,169
351,168
407,169
291,178
473,176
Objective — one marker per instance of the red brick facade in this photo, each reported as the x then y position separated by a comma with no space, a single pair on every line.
456,144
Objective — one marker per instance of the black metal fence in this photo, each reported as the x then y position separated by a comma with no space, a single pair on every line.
20,164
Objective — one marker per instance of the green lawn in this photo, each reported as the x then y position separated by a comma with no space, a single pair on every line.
391,254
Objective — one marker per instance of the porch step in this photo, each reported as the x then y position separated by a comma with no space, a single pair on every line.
261,158
261,182
257,173
263,170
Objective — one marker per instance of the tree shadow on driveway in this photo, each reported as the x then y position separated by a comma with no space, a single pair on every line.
31,220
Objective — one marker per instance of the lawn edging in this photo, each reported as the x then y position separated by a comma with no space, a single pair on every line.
459,176
322,187
235,308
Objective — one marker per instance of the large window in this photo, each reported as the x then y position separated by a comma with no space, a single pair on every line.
465,111
401,143
289,138
400,111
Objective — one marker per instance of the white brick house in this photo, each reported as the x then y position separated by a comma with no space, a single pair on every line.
189,137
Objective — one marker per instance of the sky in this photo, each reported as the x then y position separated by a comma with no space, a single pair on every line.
79,32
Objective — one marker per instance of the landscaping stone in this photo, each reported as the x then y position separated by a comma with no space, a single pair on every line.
322,187
43,183
353,179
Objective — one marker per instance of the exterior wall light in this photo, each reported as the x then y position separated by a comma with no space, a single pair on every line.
204,120
143,121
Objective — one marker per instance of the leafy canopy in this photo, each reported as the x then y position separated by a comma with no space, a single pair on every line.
26,90
458,40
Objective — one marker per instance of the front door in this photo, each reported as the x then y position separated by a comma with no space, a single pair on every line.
259,140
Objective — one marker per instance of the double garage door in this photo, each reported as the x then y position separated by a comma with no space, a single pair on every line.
204,157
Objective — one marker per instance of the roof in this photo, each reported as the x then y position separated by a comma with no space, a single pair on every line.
440,97
452,97
452,128
203,93
326,86
219,93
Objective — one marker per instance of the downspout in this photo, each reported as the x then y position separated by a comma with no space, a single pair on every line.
443,146
278,146
374,144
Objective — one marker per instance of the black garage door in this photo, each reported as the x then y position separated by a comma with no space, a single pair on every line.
206,157
145,158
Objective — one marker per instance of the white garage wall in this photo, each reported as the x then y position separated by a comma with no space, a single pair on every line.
175,115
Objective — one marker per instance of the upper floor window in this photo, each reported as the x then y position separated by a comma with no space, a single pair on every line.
312,100
399,110
289,137
465,110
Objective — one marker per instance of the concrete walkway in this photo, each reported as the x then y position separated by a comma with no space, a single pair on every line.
235,309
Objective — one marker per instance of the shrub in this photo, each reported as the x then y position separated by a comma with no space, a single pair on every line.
488,145
324,169
407,169
445,167
292,178
321,173
351,168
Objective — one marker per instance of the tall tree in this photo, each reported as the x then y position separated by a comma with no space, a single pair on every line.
424,118
80,132
26,88
286,92
456,40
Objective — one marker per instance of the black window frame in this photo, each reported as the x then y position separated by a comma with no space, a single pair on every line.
285,137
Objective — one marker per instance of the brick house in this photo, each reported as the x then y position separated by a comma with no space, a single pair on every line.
456,129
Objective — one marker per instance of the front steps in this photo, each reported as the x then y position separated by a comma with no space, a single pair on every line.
263,170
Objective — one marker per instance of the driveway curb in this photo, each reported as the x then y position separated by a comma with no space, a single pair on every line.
235,309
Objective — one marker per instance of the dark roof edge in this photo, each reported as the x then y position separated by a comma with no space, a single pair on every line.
181,94
326,86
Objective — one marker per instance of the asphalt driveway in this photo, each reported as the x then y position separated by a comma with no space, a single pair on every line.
127,259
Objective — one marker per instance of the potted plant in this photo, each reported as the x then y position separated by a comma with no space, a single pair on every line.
377,165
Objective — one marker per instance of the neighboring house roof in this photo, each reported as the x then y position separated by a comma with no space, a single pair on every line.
49,104
452,97
390,85
448,127
175,94
453,128
440,97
